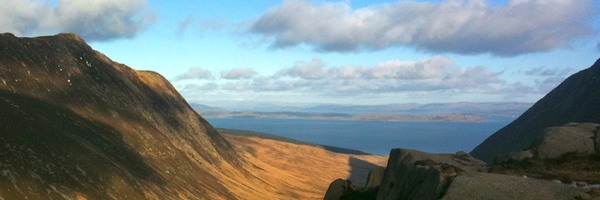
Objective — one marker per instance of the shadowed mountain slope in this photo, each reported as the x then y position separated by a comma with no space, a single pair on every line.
575,100
76,124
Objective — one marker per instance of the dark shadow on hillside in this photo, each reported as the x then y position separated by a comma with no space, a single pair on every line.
47,151
285,139
359,171
344,150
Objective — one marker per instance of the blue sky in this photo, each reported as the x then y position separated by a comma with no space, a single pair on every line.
347,52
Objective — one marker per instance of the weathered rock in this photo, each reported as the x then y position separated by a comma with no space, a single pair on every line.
338,188
564,153
571,138
413,174
518,157
482,186
417,175
341,189
375,177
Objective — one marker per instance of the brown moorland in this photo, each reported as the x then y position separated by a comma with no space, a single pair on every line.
301,171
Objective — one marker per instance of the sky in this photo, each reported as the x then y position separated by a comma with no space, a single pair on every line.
301,52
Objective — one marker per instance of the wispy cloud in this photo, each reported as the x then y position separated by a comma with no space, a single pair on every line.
545,71
313,70
547,78
93,20
213,24
195,73
184,25
457,26
207,87
239,73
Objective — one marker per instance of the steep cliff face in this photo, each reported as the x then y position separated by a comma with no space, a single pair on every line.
574,100
74,124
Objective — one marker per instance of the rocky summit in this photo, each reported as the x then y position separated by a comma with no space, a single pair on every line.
574,100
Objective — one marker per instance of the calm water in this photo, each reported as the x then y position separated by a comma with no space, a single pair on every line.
373,136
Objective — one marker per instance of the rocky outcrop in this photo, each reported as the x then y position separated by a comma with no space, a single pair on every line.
338,189
572,138
375,177
566,153
413,174
417,175
344,189
574,100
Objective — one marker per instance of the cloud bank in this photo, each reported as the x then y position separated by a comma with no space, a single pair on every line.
94,20
456,26
439,73
433,79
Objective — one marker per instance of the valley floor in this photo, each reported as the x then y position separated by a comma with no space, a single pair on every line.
301,171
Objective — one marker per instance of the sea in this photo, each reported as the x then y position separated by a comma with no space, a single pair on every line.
376,137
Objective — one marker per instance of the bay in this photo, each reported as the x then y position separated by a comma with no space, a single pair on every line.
376,137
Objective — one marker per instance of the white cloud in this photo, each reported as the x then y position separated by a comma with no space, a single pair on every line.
547,78
459,26
239,73
91,19
548,83
195,73
207,87
315,69
430,78
431,74
544,71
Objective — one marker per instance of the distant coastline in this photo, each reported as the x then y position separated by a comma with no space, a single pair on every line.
439,112
443,117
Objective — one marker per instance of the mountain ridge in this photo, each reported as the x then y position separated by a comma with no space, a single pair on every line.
77,125
139,110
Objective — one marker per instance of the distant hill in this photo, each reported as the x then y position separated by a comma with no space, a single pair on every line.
577,99
207,110
441,112
480,109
